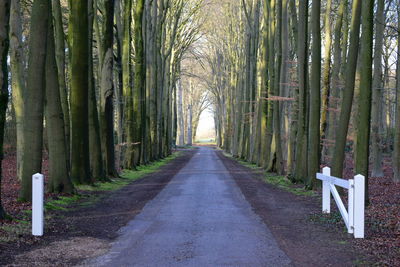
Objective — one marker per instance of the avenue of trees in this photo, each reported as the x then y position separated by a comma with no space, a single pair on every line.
299,84
105,85
92,82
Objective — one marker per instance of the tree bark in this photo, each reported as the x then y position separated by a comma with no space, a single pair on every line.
33,118
95,145
17,76
351,66
377,94
107,90
315,96
60,181
60,58
4,45
396,153
364,110
80,166
326,78
300,166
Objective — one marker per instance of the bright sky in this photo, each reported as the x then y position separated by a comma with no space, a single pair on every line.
206,126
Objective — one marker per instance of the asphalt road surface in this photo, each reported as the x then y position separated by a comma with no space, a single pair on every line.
199,219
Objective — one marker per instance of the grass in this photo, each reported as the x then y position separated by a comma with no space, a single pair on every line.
22,226
206,142
277,180
283,183
129,176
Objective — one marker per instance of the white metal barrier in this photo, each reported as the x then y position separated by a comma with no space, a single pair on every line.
37,204
354,215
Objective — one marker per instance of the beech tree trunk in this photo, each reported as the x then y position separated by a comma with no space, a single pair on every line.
95,143
377,94
60,181
364,110
396,153
34,104
347,100
17,61
4,45
80,167
315,96
107,90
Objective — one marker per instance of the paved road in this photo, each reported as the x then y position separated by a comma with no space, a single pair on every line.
200,219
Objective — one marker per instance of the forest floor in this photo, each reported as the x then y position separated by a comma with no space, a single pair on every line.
85,229
82,229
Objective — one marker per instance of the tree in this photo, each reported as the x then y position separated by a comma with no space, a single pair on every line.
134,136
61,64
396,154
326,76
300,171
95,145
377,93
60,181
80,170
313,159
4,45
17,62
351,64
107,90
364,110
34,104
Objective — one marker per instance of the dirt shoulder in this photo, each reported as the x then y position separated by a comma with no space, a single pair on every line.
85,232
288,216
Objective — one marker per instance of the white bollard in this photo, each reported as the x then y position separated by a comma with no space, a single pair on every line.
37,204
359,205
326,192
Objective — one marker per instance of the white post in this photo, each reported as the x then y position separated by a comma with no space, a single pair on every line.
350,199
37,204
326,192
359,205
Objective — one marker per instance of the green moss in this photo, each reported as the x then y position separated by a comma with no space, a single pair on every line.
129,176
276,180
12,232
283,183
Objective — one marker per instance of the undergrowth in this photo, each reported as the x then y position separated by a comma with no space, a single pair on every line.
277,180
86,196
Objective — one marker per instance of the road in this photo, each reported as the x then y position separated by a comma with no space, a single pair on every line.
199,219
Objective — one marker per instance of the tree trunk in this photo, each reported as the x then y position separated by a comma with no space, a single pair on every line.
326,78
377,94
17,76
396,153
190,126
4,45
364,110
315,96
60,181
181,129
80,166
264,87
336,77
33,118
60,58
127,89
276,105
107,90
347,100
300,165
95,158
